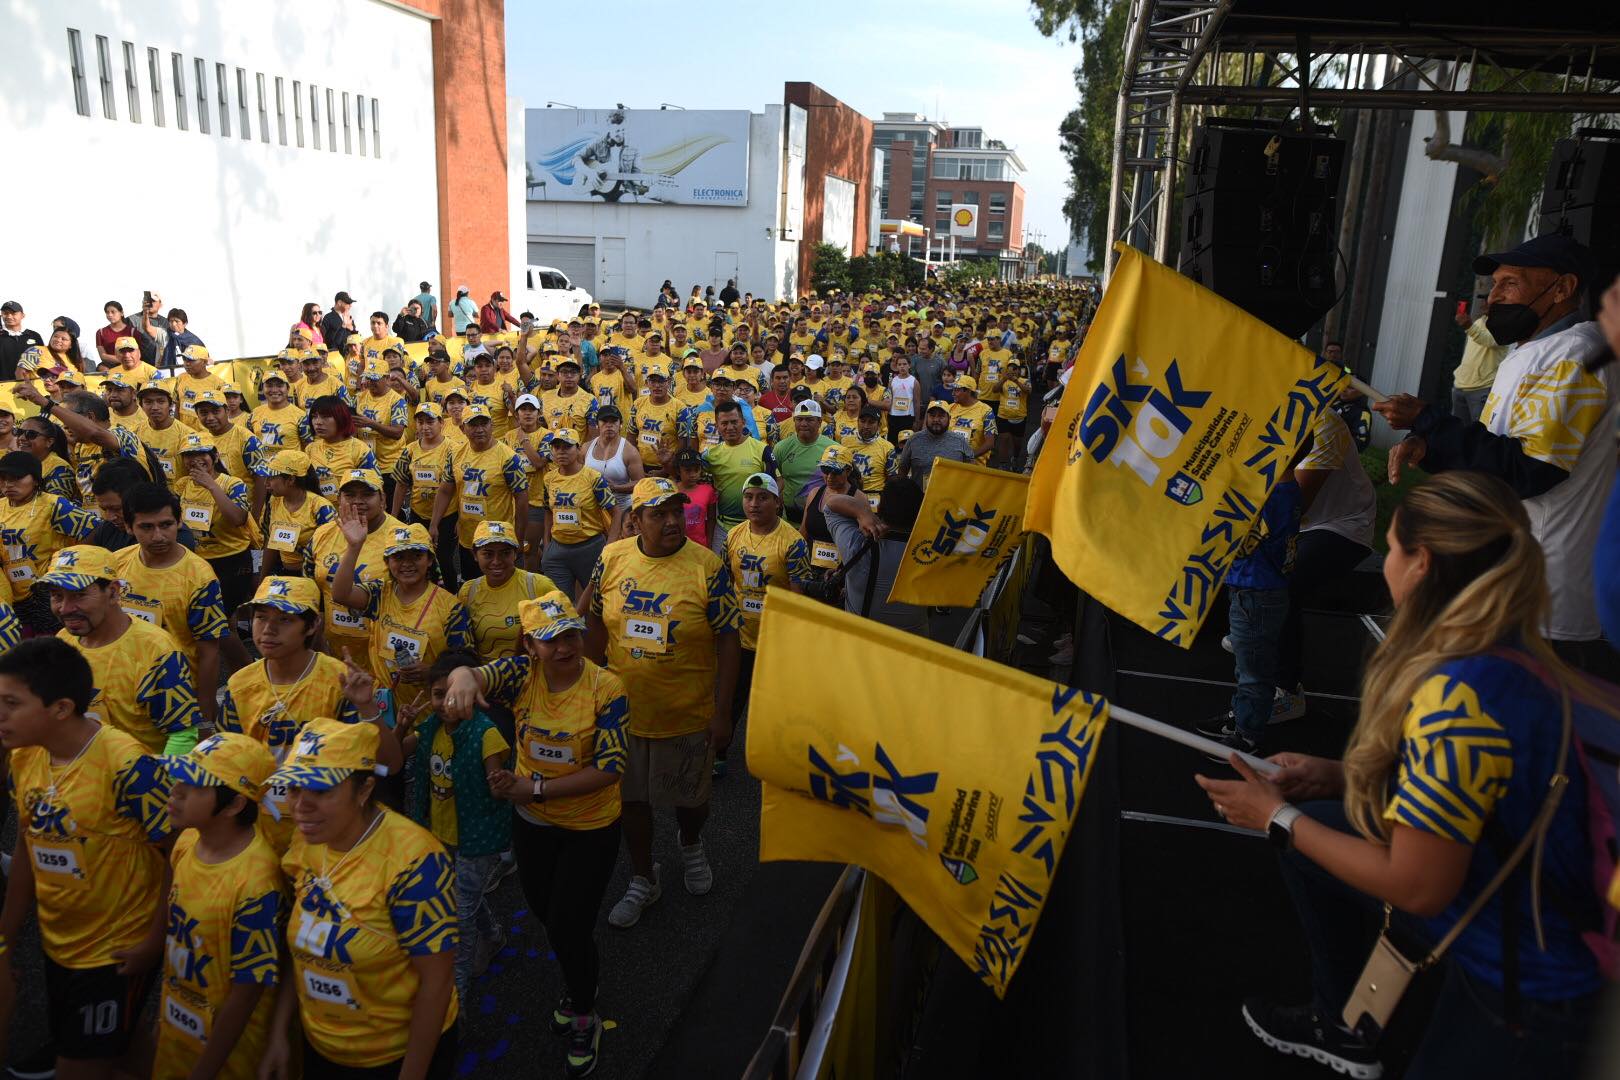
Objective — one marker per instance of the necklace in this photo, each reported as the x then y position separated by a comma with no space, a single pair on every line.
280,707
324,878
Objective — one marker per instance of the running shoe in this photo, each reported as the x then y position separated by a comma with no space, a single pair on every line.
641,893
584,1041
564,1015
1288,705
695,868
486,950
1226,642
1302,1031
1223,729
504,866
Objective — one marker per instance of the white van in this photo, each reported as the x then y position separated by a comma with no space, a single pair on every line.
550,295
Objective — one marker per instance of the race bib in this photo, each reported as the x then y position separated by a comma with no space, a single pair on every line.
344,619
168,466
753,605
329,489
329,989
425,476
138,607
549,753
21,571
274,799
824,554
649,438
198,518
474,508
902,405
566,517
284,537
650,633
405,649
184,1020
59,862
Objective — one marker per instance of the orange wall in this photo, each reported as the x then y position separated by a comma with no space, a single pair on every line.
469,98
838,142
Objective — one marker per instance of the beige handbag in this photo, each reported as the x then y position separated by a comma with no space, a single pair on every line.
1388,973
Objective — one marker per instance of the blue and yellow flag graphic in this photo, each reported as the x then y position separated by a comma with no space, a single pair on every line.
1182,414
971,521
966,819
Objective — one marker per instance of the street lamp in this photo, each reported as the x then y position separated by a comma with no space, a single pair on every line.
564,104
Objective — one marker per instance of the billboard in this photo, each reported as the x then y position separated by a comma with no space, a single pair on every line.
964,220
669,156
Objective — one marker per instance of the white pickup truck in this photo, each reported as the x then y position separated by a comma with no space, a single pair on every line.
548,293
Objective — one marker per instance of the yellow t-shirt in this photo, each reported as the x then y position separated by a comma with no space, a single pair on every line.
577,410
755,562
166,444
274,715
662,620
487,484
333,460
492,396
201,513
403,634
646,365
875,460
435,391
276,429
186,389
135,423
655,428
991,363
226,922
137,376
493,610
832,391
326,548
581,505
354,926
1014,401
442,784
388,408
183,599
239,452
976,422
609,388
34,532
143,684
90,827
562,733
423,469
371,350
690,398
290,531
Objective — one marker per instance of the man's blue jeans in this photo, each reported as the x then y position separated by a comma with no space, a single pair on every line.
476,921
1256,618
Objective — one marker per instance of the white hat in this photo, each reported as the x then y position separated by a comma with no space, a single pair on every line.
462,289
526,399
815,363
763,480
808,407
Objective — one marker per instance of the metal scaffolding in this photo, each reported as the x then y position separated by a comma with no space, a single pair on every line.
1183,55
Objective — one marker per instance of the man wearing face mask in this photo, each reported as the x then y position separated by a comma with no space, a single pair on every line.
1545,428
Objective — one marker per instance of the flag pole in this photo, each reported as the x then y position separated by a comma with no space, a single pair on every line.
1219,751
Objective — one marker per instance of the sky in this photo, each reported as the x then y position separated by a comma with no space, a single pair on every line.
980,63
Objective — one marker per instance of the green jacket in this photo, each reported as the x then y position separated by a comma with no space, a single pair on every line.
483,822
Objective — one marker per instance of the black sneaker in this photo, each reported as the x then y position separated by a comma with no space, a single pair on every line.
563,1016
584,1045
1301,1031
39,1065
1219,727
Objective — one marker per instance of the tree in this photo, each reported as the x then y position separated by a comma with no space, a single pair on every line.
829,269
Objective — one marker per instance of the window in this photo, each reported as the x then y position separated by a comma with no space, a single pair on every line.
264,111
997,230
244,125
132,83
348,144
376,131
360,120
971,198
992,170
281,112
154,72
942,200
315,116
104,69
998,202
942,226
298,112
81,95
178,65
222,88
202,96
331,121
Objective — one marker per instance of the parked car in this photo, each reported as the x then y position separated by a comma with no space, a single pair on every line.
550,295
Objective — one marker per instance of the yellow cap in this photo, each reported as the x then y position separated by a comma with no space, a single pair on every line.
546,616
474,412
290,463
429,410
367,477
78,567
966,382
403,538
837,456
327,753
495,532
197,442
228,759
294,595
125,343
652,490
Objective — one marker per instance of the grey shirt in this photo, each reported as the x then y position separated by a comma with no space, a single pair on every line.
846,533
927,369
924,448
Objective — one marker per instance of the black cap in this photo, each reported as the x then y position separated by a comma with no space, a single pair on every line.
1554,251
343,298
11,307
609,412
20,463
684,459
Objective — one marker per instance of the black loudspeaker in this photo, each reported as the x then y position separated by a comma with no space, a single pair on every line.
1581,199
1260,219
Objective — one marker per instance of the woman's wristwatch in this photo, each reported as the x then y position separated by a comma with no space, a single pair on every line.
1280,829
539,789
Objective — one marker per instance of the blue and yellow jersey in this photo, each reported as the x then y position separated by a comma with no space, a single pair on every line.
143,684
608,387
492,396
276,429
577,410
415,633
562,733
662,617
334,460
1479,745
290,531
655,427
493,610
354,926
200,512
91,828
976,423
842,428
226,922
581,505
487,485
183,599
57,478
345,627
241,453
35,531
186,388
88,457
780,557
424,469
389,407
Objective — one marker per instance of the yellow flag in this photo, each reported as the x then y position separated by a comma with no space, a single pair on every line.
970,521
1182,413
966,816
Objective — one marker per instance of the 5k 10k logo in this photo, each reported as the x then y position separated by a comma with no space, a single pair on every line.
1136,425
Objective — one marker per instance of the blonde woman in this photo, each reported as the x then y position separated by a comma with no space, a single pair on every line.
1463,726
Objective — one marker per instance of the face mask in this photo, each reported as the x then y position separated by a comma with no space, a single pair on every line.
1510,324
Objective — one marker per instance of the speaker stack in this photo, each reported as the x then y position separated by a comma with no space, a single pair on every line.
1581,199
1260,219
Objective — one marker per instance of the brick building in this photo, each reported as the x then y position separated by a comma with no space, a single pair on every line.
929,167
837,162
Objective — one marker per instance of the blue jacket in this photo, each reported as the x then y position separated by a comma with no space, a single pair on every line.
1265,558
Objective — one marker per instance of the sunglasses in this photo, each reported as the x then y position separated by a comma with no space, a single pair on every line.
29,433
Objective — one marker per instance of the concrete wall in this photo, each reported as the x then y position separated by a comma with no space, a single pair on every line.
681,242
240,232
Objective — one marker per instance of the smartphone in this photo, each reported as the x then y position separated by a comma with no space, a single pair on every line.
1462,309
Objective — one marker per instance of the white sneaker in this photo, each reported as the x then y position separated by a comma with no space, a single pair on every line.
695,864
1287,705
639,895
1226,642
